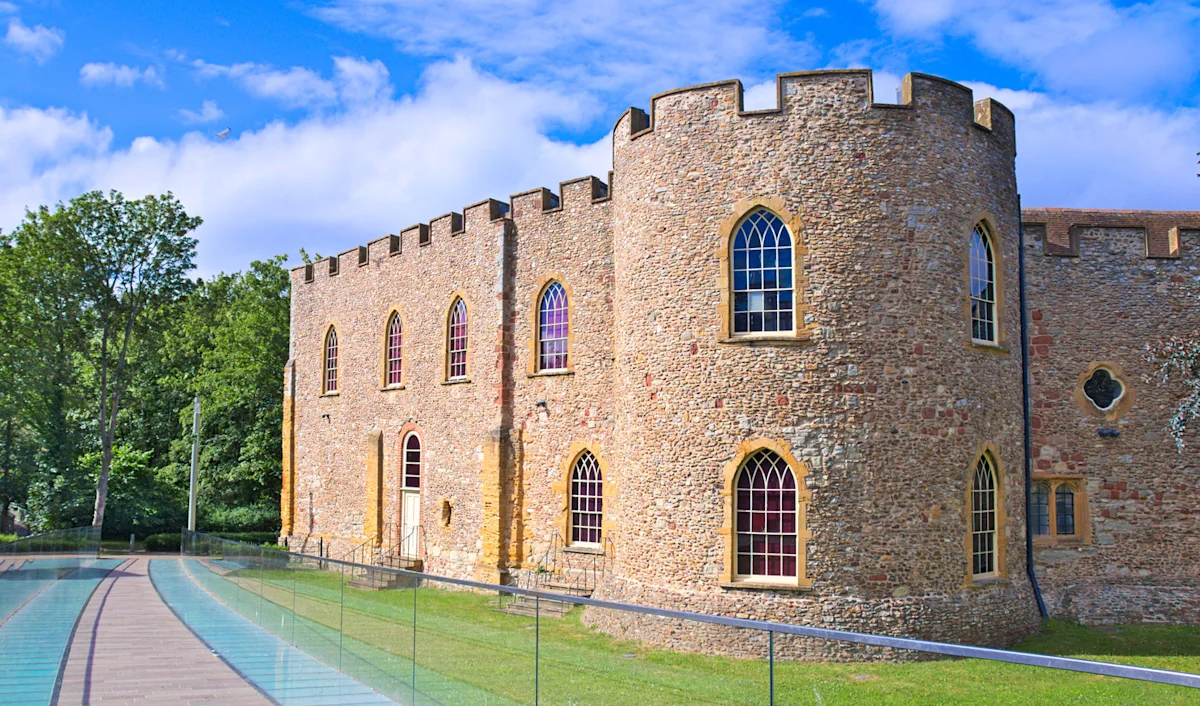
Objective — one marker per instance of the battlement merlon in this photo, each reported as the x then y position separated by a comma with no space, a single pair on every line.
919,92
583,191
1058,230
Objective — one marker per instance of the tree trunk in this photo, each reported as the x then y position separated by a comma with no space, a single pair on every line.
102,484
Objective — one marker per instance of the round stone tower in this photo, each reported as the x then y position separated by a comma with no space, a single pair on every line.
879,399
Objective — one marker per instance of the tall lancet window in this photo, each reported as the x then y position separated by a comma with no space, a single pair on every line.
456,363
395,346
553,328
330,377
983,286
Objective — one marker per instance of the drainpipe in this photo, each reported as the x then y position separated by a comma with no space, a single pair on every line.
1025,404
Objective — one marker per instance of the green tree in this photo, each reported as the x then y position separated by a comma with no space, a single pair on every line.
130,257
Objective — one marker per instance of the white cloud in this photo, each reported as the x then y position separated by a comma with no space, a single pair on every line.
38,42
1102,154
110,74
296,87
327,182
7,8
355,82
618,49
209,112
815,12
1090,48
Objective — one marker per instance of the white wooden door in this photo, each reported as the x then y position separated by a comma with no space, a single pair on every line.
410,520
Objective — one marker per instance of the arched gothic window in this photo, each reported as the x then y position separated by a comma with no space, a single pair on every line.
395,348
983,519
457,343
763,296
330,377
766,517
587,501
412,461
553,327
983,285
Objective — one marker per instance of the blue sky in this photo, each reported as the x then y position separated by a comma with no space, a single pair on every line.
350,119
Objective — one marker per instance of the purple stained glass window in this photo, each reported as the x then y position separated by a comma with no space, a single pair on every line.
587,500
458,340
763,293
331,361
766,517
553,327
395,340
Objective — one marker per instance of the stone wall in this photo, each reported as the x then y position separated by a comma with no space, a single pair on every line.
875,402
1101,286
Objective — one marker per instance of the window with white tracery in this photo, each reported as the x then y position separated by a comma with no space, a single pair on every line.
553,328
763,294
766,518
587,501
983,519
330,377
982,264
457,343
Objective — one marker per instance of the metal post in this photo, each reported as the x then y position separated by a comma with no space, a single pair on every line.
195,464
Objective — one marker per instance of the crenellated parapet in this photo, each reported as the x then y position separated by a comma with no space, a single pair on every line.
574,194
1058,230
820,95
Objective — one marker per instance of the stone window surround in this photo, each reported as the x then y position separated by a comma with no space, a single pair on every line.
1119,408
992,452
387,320
534,333
1083,519
562,488
728,577
989,223
325,392
446,379
803,332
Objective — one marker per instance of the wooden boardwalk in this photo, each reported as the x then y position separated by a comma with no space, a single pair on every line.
129,648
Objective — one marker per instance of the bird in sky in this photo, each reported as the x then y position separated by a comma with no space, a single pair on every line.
223,134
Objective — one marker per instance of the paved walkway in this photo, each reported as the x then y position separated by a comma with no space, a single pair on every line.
130,649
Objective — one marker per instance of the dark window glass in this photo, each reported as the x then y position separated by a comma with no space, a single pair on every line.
1041,509
1064,510
766,517
1103,389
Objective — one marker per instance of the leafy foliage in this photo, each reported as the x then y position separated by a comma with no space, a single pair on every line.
108,341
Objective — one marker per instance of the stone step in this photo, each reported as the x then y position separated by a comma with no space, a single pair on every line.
523,605
567,587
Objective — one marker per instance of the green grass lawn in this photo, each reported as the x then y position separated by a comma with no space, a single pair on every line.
468,652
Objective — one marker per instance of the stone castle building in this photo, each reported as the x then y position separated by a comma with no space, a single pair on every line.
772,369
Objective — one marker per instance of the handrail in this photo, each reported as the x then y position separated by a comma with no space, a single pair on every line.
84,540
1125,671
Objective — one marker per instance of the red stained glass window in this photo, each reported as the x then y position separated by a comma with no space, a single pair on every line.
395,340
331,361
587,500
553,327
458,340
766,517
